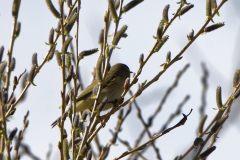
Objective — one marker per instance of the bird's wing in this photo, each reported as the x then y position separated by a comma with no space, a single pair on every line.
87,91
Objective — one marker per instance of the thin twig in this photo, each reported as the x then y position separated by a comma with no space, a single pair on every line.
76,73
204,90
38,70
63,80
169,90
150,54
145,127
173,115
112,141
10,51
125,143
143,146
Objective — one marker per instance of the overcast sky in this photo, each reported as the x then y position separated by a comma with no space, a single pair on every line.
219,50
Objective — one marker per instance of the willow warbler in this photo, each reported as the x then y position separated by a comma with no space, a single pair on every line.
112,88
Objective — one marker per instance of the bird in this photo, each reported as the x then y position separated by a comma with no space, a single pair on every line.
112,88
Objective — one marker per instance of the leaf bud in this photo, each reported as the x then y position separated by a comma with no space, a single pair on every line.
206,153
198,141
53,9
131,5
165,14
119,35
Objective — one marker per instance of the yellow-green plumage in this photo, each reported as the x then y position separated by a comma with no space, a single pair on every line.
112,88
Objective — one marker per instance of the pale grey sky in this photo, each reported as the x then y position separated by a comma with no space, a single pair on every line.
218,49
